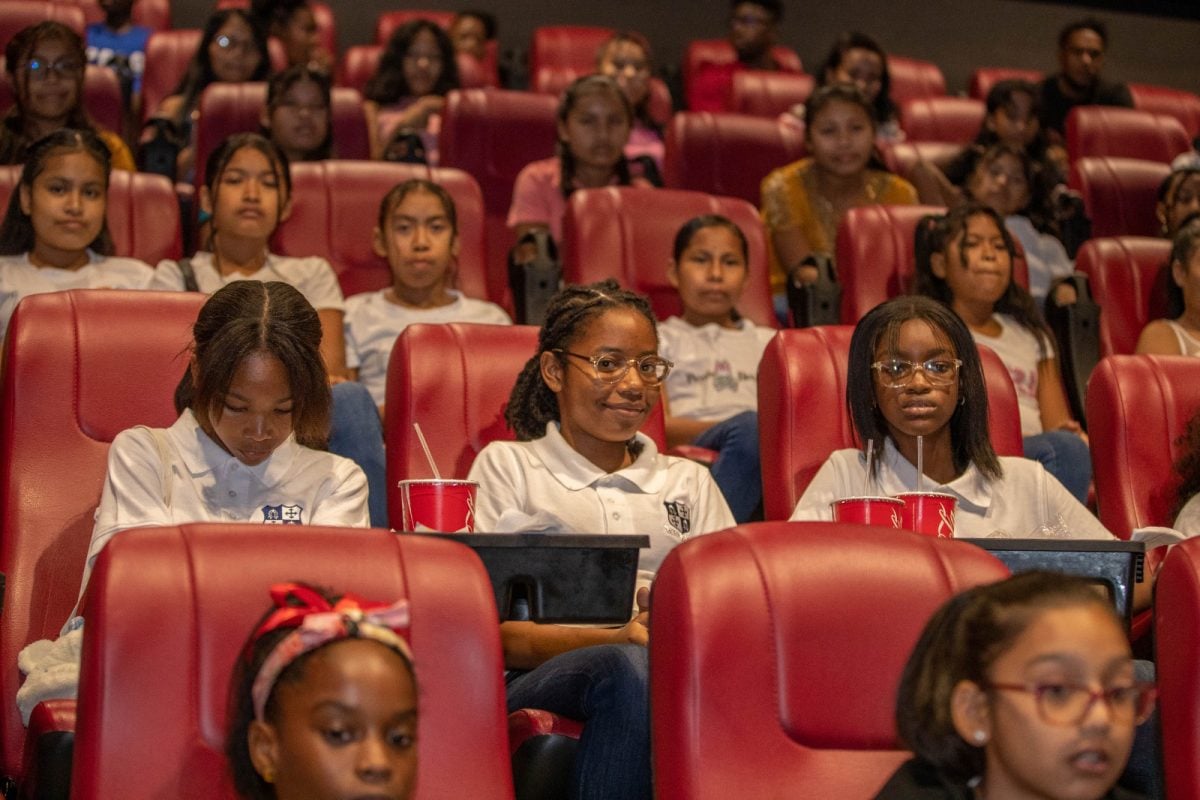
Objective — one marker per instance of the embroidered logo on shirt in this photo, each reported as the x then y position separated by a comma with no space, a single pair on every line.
678,516
283,515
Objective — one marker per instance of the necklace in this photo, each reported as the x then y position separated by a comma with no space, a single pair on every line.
829,215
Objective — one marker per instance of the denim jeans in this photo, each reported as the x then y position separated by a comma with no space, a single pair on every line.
1066,457
737,470
606,687
357,434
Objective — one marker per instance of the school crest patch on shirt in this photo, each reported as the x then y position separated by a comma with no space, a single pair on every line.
283,515
678,516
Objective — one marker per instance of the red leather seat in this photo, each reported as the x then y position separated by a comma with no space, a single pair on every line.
388,21
702,52
1127,276
776,641
984,78
941,119
147,687
153,14
79,367
143,213
1119,194
167,55
761,93
1137,408
1177,654
571,48
492,135
727,154
629,234
1124,133
1184,106
803,416
336,206
912,78
901,157
16,15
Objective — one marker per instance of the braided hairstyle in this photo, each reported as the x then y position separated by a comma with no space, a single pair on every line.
531,404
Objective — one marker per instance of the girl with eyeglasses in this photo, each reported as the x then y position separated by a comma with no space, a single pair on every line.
1019,689
580,465
965,260
46,64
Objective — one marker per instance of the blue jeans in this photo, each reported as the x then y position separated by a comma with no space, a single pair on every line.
357,434
737,470
1066,457
607,687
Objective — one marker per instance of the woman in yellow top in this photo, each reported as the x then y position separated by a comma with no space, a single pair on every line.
803,202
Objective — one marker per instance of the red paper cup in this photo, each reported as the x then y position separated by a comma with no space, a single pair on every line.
882,511
930,513
447,506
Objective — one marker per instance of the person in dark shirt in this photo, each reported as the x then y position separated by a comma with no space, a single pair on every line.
1081,49
753,27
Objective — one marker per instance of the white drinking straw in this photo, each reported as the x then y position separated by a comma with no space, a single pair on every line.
870,459
920,463
425,446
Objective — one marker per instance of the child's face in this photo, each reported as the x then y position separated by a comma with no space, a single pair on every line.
300,36
1180,204
1027,756
922,406
710,276
1014,122
346,729
418,242
751,30
596,130
250,200
1000,183
51,81
255,415
626,63
976,265
232,52
597,416
422,64
469,36
840,139
863,68
66,204
299,122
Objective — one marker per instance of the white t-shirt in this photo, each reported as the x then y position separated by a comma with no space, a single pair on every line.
1026,502
373,323
1045,256
1018,348
1188,521
312,277
178,475
669,499
20,278
716,368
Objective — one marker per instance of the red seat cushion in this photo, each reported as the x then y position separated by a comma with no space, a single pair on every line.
912,78
1177,654
941,119
1128,276
1119,194
761,93
1124,133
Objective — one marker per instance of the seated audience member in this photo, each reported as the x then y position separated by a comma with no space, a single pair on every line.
1178,199
46,63
626,59
408,90
119,44
1179,333
297,116
293,23
55,234
858,59
580,465
1081,49
470,31
753,26
594,120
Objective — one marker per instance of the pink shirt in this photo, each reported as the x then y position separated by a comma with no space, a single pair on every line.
538,198
645,141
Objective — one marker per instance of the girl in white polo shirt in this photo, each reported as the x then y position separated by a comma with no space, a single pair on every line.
55,234
576,409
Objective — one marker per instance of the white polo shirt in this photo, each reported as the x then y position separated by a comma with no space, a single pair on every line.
178,475
670,499
1018,348
20,278
312,277
373,323
716,368
1027,502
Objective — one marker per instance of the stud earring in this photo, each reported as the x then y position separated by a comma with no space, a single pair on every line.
980,737
268,775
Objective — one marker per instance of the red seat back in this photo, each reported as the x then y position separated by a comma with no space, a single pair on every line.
143,213
1119,194
388,21
777,641
1124,133
335,208
912,78
1127,276
901,157
167,55
941,119
1184,106
211,582
1177,654
761,93
1137,409
79,367
701,52
629,234
15,15
565,47
153,14
984,78
803,417
727,154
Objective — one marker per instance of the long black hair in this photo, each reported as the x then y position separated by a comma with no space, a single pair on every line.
200,73
282,83
388,85
576,91
883,108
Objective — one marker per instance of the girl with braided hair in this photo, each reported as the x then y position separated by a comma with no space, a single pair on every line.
576,409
